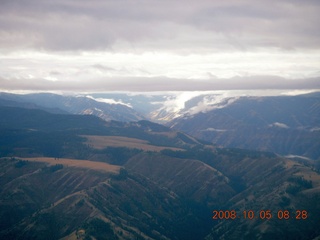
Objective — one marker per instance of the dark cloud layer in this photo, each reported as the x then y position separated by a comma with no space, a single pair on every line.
150,24
160,84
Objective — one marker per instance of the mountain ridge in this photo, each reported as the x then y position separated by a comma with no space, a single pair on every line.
286,125
170,193
75,105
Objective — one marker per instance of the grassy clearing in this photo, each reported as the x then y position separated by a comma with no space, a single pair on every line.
306,172
101,142
105,167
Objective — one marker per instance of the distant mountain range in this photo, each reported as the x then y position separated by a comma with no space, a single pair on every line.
287,125
71,104
282,124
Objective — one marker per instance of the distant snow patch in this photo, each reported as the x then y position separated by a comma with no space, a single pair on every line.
109,101
297,156
315,129
214,130
212,102
278,124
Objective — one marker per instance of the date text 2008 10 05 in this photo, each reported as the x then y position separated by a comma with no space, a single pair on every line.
262,214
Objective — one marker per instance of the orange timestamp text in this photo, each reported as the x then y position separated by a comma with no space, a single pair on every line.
262,214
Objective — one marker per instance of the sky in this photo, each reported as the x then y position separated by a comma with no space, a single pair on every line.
159,45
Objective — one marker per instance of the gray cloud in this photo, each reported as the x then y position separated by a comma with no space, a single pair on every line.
152,45
159,84
188,26
103,68
54,73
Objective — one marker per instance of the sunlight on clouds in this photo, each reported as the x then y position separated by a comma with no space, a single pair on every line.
159,45
297,92
152,64
177,101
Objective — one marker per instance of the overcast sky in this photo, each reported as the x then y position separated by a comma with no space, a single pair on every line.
159,45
